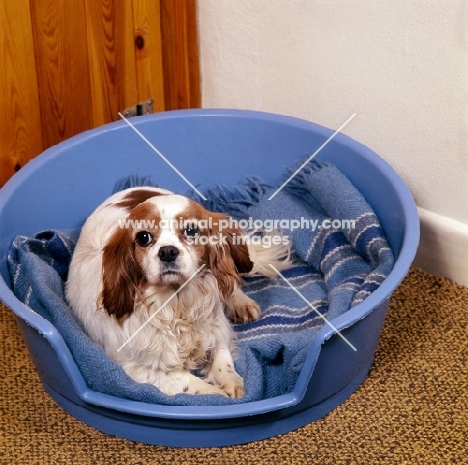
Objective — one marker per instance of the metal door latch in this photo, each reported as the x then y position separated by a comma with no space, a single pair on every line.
142,108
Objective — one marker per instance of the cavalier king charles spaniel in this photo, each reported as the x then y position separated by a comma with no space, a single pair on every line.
154,279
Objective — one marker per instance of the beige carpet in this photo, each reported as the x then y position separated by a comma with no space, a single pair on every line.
411,409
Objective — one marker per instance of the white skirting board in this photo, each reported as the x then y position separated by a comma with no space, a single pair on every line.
443,247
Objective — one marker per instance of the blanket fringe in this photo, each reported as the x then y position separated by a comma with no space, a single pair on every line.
238,200
298,183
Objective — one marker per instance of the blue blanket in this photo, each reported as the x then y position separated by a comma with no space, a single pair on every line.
335,268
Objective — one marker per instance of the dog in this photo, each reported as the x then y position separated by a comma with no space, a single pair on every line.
154,280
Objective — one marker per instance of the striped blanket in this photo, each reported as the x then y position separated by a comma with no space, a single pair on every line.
335,268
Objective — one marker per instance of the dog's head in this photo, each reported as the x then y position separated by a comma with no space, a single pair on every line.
163,241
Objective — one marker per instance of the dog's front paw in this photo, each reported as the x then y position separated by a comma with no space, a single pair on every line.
234,387
241,308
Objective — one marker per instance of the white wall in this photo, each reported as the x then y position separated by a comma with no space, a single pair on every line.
401,65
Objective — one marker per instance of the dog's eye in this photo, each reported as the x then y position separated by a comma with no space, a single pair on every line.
191,230
144,238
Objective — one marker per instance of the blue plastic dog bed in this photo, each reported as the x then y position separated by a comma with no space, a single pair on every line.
59,189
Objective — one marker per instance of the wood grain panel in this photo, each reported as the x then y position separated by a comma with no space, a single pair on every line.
111,58
179,41
59,28
69,65
147,37
20,130
192,54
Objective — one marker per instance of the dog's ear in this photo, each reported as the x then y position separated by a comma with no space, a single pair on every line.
121,275
228,256
238,249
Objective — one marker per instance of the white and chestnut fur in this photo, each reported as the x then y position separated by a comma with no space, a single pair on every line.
121,279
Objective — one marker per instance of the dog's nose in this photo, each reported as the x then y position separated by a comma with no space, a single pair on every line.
168,253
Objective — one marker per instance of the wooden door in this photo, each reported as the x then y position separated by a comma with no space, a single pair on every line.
68,66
